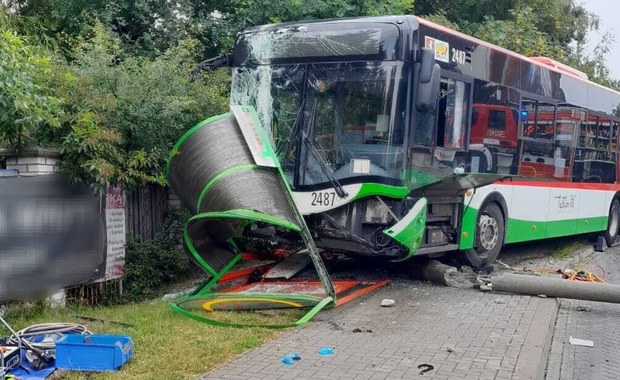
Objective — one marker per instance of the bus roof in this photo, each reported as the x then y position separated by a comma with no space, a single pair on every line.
543,62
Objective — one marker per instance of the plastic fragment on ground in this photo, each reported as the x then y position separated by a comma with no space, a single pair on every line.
291,359
387,302
326,351
581,342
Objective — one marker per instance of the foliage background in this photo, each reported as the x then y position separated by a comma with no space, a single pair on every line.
108,81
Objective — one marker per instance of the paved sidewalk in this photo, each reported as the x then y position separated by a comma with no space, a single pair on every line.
600,324
492,336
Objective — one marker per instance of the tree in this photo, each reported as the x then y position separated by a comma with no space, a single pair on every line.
146,27
128,113
519,34
594,64
556,23
217,23
27,107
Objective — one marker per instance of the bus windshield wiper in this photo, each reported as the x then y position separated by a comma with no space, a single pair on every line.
295,129
298,133
324,166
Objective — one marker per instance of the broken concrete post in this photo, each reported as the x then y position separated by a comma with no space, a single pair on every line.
443,274
553,287
438,272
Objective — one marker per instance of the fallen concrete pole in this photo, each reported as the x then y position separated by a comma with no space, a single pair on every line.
443,274
553,287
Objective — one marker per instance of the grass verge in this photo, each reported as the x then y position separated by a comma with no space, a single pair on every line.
167,345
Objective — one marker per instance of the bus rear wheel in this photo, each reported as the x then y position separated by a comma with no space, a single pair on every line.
489,237
613,223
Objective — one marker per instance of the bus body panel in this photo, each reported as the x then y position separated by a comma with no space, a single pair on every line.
539,211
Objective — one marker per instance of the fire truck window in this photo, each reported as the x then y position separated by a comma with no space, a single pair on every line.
497,120
496,108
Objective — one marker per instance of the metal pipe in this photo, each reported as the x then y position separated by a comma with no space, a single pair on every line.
553,287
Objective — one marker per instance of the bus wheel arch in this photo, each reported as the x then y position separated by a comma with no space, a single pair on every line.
613,221
489,232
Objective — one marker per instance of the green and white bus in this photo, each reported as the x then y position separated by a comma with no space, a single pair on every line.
400,137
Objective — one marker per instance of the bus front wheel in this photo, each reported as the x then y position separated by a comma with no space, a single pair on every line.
613,223
489,237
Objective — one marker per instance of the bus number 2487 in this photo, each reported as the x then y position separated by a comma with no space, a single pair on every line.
323,198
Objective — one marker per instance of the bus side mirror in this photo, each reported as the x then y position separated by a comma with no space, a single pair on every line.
428,73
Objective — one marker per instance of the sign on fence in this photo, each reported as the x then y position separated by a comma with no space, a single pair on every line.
115,226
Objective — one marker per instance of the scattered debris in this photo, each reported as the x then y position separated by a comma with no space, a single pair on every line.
581,342
356,330
368,330
291,359
446,275
326,351
503,265
542,295
500,301
387,302
335,325
584,308
425,368
450,349
289,266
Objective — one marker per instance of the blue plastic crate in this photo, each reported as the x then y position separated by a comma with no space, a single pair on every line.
99,353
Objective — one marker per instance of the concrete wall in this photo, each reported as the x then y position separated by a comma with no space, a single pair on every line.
32,161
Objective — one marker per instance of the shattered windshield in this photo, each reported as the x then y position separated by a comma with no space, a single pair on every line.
311,42
332,121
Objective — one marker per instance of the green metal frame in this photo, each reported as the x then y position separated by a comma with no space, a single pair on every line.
321,304
248,217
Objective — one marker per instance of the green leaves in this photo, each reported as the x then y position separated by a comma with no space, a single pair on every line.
129,111
519,34
26,106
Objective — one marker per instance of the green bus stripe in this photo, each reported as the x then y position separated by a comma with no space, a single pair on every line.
186,135
219,176
524,230
518,230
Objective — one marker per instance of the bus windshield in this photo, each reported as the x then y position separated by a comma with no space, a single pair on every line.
329,121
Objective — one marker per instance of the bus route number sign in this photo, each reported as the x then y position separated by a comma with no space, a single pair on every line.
458,56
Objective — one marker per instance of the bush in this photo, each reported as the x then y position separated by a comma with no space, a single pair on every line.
151,265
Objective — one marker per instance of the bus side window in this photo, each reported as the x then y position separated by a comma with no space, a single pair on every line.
537,153
595,155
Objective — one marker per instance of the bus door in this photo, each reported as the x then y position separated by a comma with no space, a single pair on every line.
453,114
439,140
454,118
